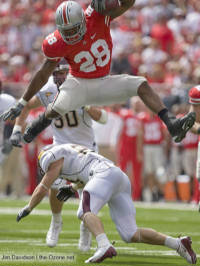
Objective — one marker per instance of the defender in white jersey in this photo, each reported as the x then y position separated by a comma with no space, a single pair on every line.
104,183
7,158
74,127
5,101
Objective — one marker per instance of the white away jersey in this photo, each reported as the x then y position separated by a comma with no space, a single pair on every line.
78,161
6,101
74,127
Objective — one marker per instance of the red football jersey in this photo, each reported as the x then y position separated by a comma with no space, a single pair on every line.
90,57
153,128
131,125
190,141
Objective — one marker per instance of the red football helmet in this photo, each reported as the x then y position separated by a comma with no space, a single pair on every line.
194,95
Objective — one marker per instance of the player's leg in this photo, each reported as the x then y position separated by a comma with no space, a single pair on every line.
56,209
182,245
93,199
85,239
70,97
119,88
122,212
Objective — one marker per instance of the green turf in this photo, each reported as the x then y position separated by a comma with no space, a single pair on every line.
27,238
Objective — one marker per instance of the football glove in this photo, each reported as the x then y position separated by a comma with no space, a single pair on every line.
16,139
23,213
7,147
65,192
13,112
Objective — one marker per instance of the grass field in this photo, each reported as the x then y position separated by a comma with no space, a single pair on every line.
27,238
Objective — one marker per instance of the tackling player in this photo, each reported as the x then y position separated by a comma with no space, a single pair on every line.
84,40
104,183
74,127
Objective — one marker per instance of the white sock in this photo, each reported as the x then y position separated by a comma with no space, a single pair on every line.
172,242
56,217
102,240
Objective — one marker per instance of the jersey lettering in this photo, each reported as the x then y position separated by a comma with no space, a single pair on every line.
131,127
99,50
71,119
80,149
51,39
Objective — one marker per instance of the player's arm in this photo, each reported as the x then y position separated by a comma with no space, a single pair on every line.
41,190
97,114
112,8
38,81
20,122
124,6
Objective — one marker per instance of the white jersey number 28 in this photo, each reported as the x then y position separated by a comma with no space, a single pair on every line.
99,50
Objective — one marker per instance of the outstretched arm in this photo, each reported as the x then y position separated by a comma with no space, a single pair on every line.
112,8
40,79
125,5
20,122
41,190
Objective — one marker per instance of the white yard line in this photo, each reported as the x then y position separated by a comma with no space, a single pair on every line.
129,249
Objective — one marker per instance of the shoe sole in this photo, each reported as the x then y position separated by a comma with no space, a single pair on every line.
186,127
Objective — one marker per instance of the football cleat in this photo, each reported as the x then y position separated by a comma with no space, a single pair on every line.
102,254
185,249
180,126
53,234
85,238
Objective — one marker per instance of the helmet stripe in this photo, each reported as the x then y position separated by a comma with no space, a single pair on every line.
64,14
68,18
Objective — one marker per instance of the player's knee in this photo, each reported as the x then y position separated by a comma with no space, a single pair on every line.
137,236
128,236
143,87
135,84
50,113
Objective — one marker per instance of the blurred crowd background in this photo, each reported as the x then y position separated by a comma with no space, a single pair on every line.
158,39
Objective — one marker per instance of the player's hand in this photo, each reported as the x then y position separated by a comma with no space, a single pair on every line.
13,112
98,5
65,192
7,147
23,213
16,139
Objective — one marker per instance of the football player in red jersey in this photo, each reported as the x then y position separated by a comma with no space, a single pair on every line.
194,99
83,39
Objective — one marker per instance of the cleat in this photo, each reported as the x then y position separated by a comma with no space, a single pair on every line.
85,238
35,128
185,250
53,234
181,126
102,254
